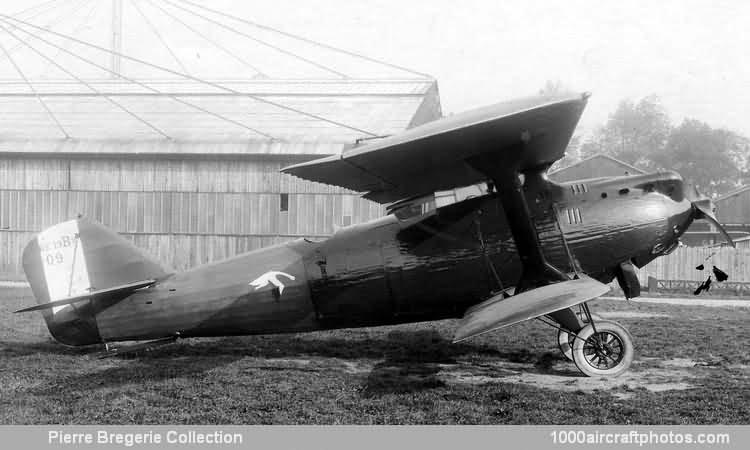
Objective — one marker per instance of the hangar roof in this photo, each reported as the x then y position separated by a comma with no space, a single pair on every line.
598,165
380,107
733,193
62,92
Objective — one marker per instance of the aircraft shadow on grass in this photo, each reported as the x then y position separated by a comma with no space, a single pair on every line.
411,361
417,366
19,349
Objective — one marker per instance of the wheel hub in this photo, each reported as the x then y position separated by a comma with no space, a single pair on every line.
603,350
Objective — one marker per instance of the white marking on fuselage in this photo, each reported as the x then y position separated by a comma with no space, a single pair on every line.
270,277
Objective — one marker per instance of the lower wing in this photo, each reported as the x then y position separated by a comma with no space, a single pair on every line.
498,311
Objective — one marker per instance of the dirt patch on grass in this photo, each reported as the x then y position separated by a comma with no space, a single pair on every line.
667,387
565,377
680,362
559,376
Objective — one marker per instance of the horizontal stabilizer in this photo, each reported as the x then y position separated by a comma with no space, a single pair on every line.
93,294
499,312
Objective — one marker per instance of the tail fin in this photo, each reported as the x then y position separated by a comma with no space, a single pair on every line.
74,259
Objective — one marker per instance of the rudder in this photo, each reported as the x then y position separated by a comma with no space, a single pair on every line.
75,258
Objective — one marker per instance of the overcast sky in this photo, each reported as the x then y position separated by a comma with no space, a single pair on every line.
692,54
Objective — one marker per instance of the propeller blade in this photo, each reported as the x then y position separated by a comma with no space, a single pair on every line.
703,211
694,195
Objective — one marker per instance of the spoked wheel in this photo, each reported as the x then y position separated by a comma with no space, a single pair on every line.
565,339
606,353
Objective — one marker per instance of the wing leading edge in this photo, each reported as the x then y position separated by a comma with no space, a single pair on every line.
525,134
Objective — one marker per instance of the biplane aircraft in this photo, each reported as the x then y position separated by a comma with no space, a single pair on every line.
522,247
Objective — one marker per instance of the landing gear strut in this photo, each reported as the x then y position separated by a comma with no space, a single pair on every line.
605,349
565,338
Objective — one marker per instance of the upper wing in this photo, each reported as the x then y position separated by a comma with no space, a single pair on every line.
525,134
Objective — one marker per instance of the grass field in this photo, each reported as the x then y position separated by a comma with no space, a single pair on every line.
692,367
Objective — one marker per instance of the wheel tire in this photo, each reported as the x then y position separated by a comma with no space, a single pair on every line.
618,347
565,343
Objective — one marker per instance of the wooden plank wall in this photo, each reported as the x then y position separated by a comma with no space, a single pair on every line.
734,209
184,212
157,175
681,264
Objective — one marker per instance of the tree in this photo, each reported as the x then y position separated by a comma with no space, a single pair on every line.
715,160
740,152
572,153
633,133
706,157
553,88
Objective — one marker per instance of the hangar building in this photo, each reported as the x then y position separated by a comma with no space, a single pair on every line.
595,166
733,211
189,169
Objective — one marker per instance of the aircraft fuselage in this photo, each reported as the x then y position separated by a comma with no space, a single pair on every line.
399,269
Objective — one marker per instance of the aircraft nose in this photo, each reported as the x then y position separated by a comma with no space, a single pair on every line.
674,207
689,205
692,204
667,183
703,208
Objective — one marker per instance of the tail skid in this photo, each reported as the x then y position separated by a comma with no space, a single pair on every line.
112,351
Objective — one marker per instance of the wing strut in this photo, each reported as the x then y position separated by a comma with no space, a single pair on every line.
537,271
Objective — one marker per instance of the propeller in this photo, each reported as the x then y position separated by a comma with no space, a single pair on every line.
703,209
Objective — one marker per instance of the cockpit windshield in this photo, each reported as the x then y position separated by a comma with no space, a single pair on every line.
418,206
